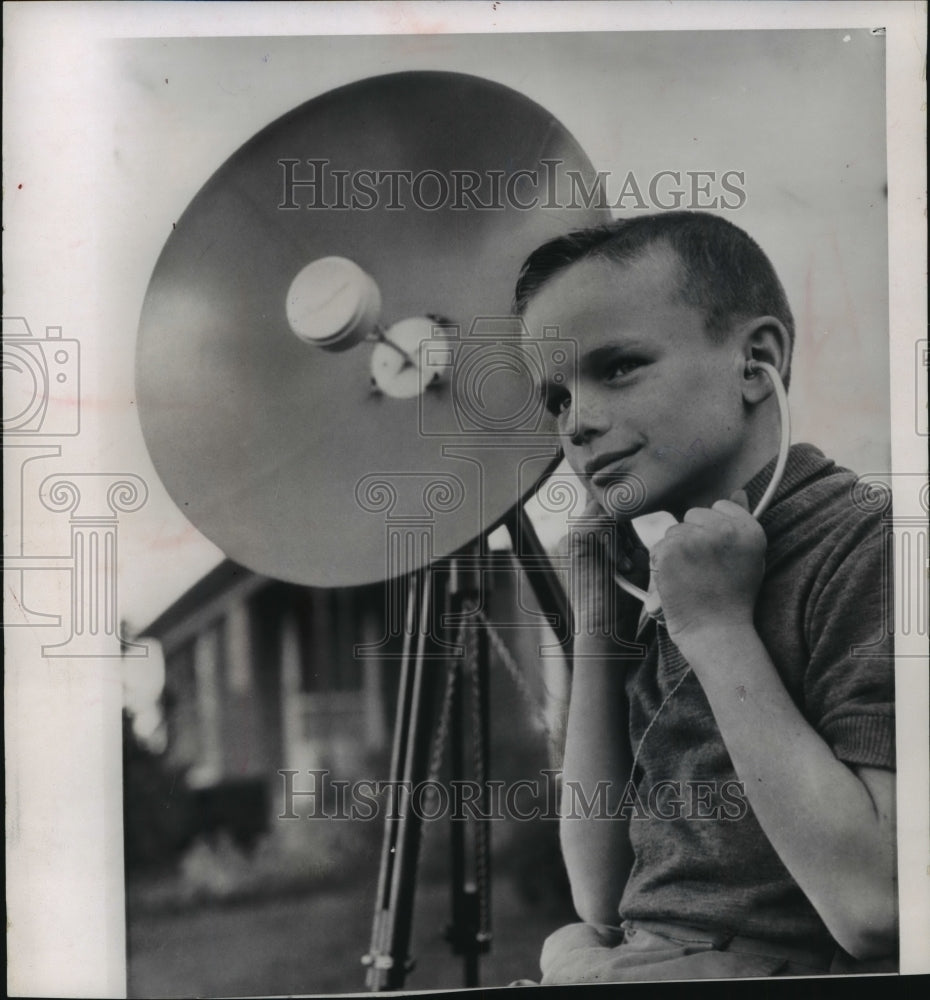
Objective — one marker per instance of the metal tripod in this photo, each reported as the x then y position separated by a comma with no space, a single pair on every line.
454,584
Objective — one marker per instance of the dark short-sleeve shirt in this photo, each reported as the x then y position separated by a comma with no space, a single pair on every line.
701,857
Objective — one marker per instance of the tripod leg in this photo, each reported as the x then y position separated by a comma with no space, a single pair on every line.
469,932
458,929
387,959
481,745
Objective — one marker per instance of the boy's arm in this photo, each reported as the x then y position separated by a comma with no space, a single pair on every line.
832,825
597,850
597,759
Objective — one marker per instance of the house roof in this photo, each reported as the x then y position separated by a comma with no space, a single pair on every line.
220,579
229,574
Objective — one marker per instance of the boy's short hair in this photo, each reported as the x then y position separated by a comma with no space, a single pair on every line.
723,270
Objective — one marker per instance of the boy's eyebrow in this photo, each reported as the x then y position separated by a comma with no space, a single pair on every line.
599,355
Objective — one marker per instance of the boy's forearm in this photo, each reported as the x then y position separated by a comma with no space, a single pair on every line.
596,766
837,842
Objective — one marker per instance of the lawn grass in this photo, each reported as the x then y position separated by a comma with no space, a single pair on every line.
313,943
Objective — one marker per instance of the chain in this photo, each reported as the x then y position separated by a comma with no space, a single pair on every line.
514,671
467,640
441,737
517,675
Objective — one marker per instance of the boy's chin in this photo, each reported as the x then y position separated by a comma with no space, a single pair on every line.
660,511
629,506
625,498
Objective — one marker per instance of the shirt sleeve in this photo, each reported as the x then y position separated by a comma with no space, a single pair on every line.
849,685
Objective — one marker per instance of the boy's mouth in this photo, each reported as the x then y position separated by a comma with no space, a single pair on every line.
603,468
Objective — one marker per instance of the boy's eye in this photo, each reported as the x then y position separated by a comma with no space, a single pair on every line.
558,401
622,366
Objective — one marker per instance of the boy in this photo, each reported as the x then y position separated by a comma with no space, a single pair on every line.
756,833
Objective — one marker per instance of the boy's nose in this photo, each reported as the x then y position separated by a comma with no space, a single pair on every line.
588,419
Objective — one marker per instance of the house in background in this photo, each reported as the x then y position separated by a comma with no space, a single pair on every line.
263,676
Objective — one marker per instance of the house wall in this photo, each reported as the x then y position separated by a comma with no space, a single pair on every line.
268,676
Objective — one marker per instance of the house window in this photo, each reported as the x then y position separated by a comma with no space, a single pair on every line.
180,700
209,668
194,691
329,624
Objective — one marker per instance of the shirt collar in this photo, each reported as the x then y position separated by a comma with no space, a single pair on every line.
805,462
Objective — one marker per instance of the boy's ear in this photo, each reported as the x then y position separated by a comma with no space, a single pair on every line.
763,339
